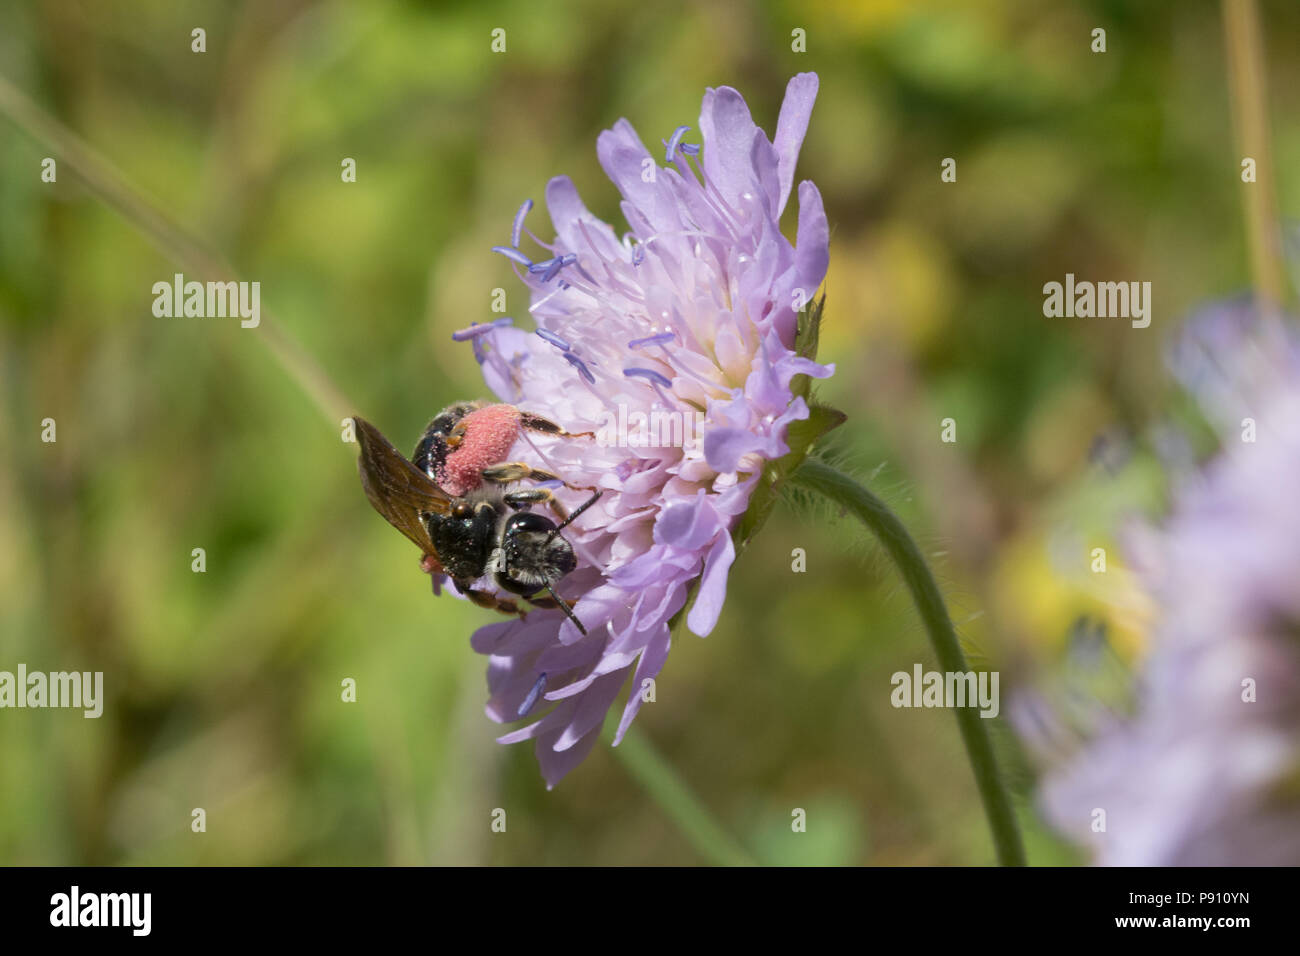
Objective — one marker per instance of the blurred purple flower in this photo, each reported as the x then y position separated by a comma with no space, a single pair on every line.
1200,775
693,311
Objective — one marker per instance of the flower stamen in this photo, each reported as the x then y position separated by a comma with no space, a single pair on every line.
581,366
514,255
555,340
660,339
649,374
518,226
672,143
477,329
531,699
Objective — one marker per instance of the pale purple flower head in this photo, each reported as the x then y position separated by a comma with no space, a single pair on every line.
676,343
1202,775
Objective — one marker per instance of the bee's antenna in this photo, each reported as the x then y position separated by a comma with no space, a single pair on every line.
567,609
569,520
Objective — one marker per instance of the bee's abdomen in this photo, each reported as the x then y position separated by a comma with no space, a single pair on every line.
489,434
432,450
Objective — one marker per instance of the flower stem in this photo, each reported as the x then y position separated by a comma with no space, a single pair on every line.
675,798
819,477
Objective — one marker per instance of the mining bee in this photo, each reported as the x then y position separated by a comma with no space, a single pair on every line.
450,499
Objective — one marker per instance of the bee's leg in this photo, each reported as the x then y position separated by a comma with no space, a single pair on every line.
508,472
492,602
536,423
455,436
537,496
507,606
534,496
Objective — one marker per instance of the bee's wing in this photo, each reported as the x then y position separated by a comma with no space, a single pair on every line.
396,488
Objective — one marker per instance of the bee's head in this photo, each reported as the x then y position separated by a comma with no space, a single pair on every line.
536,556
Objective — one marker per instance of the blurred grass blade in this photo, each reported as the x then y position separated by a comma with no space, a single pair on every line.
1248,85
170,239
672,795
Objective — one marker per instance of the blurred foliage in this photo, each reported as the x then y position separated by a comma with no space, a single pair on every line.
223,687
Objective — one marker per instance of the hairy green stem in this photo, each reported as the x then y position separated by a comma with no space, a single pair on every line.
819,477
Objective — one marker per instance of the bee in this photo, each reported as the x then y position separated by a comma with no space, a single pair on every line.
450,499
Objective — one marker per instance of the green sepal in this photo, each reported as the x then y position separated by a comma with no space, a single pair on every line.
807,336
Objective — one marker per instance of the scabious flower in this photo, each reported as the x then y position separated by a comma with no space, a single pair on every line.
692,312
1207,771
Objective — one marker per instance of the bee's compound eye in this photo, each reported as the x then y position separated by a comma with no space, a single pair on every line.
531,521
461,510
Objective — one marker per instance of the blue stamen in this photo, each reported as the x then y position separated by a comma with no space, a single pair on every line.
581,366
638,254
661,339
648,373
691,149
673,141
514,255
517,229
549,268
476,329
555,340
533,694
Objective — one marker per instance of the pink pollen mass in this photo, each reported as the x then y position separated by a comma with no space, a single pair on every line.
489,434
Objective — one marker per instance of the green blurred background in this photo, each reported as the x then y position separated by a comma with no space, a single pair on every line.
224,687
